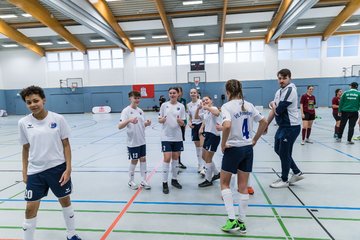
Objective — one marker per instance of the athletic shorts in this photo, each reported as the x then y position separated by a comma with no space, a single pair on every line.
172,146
38,184
211,142
183,132
137,152
336,117
309,116
195,132
238,158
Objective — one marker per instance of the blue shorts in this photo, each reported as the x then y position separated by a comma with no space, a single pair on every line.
195,132
137,152
211,142
238,158
38,184
172,146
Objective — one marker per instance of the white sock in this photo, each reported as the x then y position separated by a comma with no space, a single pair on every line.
29,226
198,155
69,218
174,168
214,169
143,170
209,171
249,182
229,203
132,171
166,167
243,206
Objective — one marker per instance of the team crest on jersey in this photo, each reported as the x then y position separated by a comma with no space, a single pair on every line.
178,109
53,125
29,126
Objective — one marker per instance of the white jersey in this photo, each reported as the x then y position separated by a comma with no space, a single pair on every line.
192,107
135,132
210,121
44,136
241,131
171,130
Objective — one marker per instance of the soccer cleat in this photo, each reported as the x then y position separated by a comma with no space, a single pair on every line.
133,185
338,140
302,142
165,188
250,190
308,141
356,138
242,227
350,143
296,177
176,184
231,226
279,184
75,237
205,183
145,185
215,177
182,166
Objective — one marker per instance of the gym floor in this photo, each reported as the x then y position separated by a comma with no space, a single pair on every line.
325,205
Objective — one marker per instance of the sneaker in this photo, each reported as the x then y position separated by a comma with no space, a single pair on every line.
231,226
250,190
308,141
145,185
335,135
242,226
279,184
350,143
75,237
202,172
133,185
356,138
165,188
296,177
302,142
176,184
215,177
205,183
182,166
338,140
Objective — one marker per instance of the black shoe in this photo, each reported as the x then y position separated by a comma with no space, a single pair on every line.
215,177
176,184
182,166
165,188
205,183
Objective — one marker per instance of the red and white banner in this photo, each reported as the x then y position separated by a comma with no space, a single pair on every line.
145,90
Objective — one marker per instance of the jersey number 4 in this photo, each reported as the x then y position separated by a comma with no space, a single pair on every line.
245,129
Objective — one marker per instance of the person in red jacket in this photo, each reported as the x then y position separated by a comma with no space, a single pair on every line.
335,107
307,107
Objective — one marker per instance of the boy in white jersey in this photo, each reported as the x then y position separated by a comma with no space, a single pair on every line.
211,118
195,125
171,116
46,158
132,117
237,145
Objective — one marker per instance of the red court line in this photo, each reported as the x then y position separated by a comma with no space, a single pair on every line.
132,199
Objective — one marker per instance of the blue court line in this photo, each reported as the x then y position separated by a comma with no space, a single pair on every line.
193,204
337,150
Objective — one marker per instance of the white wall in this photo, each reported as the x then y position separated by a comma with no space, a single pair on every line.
19,68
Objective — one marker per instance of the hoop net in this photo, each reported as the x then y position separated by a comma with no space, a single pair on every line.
73,88
196,81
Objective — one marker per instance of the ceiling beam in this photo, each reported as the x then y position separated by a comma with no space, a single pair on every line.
104,10
343,16
222,31
20,38
277,19
161,10
39,12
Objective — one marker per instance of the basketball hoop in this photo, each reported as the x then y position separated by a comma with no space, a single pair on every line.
73,86
196,81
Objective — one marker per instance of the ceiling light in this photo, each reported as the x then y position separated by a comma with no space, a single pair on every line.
258,30
8,16
306,27
196,34
97,40
349,24
62,42
159,36
9,45
26,15
234,32
137,38
44,43
192,2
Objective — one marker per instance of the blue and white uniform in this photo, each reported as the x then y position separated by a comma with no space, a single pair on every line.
212,135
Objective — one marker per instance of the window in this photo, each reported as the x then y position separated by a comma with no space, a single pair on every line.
244,51
299,48
106,59
343,46
65,61
199,52
153,56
